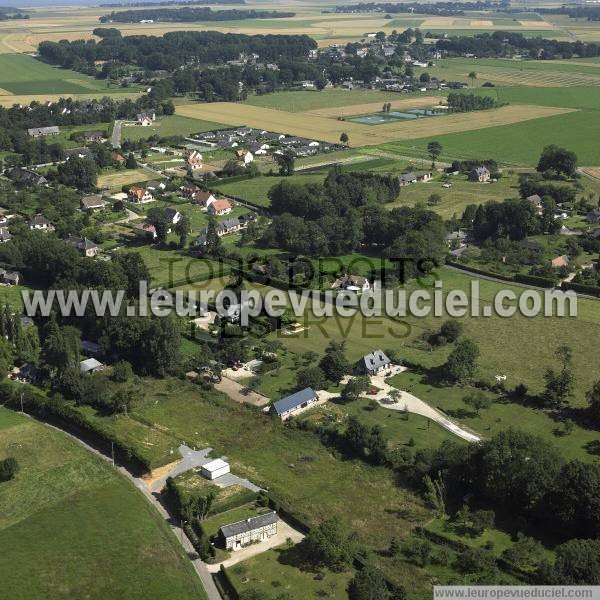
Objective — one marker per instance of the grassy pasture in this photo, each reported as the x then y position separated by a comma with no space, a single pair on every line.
67,516
330,129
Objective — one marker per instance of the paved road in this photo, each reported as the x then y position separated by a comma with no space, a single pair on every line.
199,565
116,135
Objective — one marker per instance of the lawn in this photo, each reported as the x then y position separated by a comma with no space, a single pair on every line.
274,573
212,525
67,516
11,294
173,125
23,74
522,347
255,190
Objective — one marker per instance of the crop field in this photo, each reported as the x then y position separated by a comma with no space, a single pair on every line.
321,128
67,516
369,107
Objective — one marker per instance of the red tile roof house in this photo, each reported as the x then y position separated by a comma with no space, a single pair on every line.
219,207
560,261
140,195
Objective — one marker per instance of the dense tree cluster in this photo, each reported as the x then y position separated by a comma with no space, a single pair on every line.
347,212
190,15
470,102
524,475
174,49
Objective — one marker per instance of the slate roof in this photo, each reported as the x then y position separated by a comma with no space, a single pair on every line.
290,402
249,524
408,177
89,365
375,360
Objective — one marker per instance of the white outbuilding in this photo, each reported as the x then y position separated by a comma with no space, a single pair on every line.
214,468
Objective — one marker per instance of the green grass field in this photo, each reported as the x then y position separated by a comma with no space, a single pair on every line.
169,126
67,516
299,101
519,143
23,74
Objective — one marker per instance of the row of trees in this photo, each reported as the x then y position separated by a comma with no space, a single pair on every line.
509,43
190,15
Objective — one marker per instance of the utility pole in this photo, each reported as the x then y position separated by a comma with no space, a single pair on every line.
22,411
112,452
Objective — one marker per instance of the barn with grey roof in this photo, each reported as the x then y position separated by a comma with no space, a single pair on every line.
294,404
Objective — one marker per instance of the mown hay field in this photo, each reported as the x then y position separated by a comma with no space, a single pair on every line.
517,72
321,128
116,179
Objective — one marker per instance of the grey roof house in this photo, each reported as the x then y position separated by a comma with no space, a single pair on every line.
373,363
294,404
255,529
43,131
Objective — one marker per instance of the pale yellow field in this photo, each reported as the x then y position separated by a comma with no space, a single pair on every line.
329,129
481,24
120,178
369,107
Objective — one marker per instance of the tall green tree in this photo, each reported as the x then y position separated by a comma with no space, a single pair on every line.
335,364
462,361
434,149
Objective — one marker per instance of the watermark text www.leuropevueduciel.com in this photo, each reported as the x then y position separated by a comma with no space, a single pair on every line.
246,304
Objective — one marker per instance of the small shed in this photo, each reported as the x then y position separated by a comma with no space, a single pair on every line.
215,468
